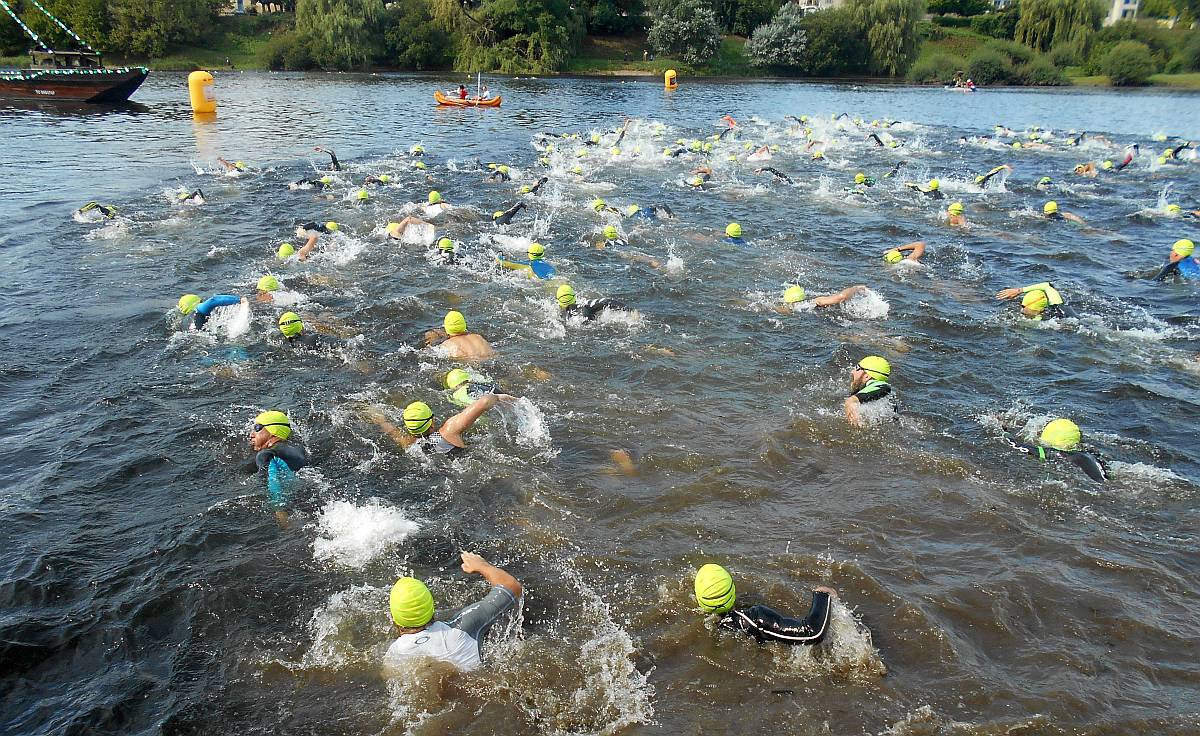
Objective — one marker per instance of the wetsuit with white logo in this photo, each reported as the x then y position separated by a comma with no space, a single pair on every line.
456,641
766,624
1090,463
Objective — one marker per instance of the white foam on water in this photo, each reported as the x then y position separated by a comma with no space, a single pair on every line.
1143,473
867,305
351,628
876,413
232,321
116,229
353,535
846,651
532,429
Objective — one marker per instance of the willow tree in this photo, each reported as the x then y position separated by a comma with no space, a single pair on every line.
342,34
1047,23
890,29
518,36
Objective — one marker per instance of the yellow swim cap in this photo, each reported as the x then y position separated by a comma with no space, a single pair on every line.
1174,209
615,151
715,591
497,214
418,418
1061,434
565,296
456,378
268,283
419,165
893,256
1050,208
581,153
1016,144
455,323
503,169
598,204
239,165
417,149
576,169
290,324
610,232
435,197
632,210
1035,301
332,226
955,208
1183,248
393,229
286,250
876,367
326,179
411,603
933,185
696,181
362,195
859,178
276,423
189,302
733,230
445,244
818,154
385,178
793,294
1106,165
536,251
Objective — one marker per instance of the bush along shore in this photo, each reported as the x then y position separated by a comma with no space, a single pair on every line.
1031,42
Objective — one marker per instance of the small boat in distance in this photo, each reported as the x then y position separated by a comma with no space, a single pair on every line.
465,102
73,76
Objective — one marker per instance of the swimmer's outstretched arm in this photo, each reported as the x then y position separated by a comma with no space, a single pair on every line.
455,426
334,165
404,439
917,249
841,296
307,248
1072,217
473,564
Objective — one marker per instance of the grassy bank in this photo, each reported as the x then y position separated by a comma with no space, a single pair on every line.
615,56
235,42
1189,80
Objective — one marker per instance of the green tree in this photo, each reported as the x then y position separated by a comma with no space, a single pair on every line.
518,36
149,26
750,14
614,17
686,29
1047,23
834,44
341,34
890,30
412,40
959,7
1002,24
1129,63
781,42
1157,9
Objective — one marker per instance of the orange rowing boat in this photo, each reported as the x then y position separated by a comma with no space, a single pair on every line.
468,102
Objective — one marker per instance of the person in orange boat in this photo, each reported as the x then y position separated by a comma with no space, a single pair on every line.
462,92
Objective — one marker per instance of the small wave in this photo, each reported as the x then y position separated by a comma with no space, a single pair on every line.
867,305
352,535
847,650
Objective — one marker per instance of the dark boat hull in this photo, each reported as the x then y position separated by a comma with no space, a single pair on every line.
73,85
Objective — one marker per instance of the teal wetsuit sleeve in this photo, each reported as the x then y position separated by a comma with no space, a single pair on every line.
278,477
220,300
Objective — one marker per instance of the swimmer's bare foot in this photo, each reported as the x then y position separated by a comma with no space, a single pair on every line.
623,462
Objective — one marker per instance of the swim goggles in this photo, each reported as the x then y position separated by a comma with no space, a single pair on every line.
260,427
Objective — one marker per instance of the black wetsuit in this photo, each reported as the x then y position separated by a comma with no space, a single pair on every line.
434,444
1056,311
107,210
875,137
334,164
315,227
765,624
589,308
778,174
1089,462
509,214
198,194
680,150
498,175
931,193
309,182
873,391
894,171
982,181
534,189
303,341
1175,151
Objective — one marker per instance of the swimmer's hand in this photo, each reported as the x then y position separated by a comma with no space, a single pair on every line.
823,589
1008,293
473,564
245,302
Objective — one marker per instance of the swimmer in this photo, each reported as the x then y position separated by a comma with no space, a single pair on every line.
382,179
324,182
862,180
456,641
600,206
895,170
292,328
457,342
587,310
716,593
700,176
534,189
1130,153
276,460
334,164
84,213
955,216
203,309
446,254
775,172
1180,263
232,166
915,251
504,217
195,198
733,234
1044,183
610,237
874,137
729,122
445,440
982,180
868,382
266,287
435,205
762,153
465,390
1060,439
1088,170
1051,212
308,229
395,230
500,173
1076,140
634,212
932,189
417,150
794,294
1040,301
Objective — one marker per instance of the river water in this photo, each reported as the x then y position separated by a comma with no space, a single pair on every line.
146,587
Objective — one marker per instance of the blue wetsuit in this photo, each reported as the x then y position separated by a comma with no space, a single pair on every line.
1184,268
206,307
277,466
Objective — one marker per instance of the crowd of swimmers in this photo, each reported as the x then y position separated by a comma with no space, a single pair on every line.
277,456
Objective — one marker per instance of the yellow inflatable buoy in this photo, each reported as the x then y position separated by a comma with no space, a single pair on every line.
670,79
200,90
